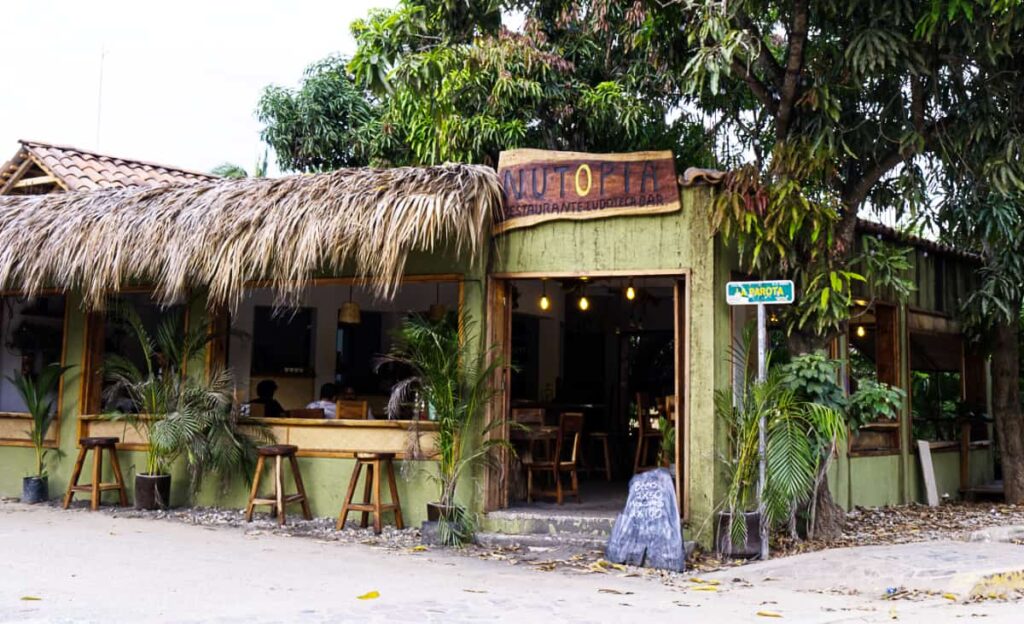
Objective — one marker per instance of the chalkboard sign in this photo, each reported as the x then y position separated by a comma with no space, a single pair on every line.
647,532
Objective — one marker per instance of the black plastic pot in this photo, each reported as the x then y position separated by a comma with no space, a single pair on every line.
35,490
723,540
152,491
435,511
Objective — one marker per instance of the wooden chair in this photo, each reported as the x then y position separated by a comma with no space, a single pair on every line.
375,464
97,487
306,413
567,442
357,410
648,438
532,417
277,504
600,438
257,410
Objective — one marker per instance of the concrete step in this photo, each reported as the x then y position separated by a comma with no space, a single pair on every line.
560,542
513,522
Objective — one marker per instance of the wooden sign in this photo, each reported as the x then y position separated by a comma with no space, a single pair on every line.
544,186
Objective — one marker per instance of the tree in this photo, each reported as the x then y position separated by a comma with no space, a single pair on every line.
443,81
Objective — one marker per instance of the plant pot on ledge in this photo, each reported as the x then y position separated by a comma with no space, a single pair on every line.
35,490
751,547
152,491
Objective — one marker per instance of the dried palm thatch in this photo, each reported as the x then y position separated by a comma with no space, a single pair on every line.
218,235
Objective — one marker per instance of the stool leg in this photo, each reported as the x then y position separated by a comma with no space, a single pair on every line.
639,453
343,516
97,458
279,491
376,497
367,490
255,488
75,474
607,460
117,477
394,495
297,477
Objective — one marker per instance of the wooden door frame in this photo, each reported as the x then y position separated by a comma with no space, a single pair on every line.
498,322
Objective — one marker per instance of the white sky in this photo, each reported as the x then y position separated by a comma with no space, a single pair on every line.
180,79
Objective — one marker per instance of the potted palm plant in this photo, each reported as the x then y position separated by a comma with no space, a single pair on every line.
796,431
179,414
37,392
456,387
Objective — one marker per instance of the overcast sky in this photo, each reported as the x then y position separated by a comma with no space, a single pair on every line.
180,79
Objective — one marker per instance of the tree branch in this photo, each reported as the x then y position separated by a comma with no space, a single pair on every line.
765,60
757,87
794,65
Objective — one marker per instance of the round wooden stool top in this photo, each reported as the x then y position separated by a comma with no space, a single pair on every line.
274,450
375,455
97,442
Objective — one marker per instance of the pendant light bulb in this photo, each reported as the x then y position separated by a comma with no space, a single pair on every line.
584,303
545,303
861,332
630,292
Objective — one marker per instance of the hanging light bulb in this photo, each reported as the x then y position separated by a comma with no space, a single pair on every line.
861,332
630,291
584,303
545,303
349,313
437,310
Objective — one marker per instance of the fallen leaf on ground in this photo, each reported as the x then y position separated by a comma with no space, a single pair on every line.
613,591
770,614
369,595
419,548
949,596
707,588
475,591
31,598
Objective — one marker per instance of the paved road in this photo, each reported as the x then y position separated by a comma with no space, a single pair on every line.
92,567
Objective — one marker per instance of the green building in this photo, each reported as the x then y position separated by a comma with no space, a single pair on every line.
598,277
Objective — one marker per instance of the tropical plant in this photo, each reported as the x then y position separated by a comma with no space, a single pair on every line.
873,401
813,376
456,385
667,450
37,392
798,434
179,413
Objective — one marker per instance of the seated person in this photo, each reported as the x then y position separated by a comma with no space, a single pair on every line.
326,402
265,396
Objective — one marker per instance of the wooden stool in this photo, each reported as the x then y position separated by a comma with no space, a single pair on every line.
375,463
277,504
97,487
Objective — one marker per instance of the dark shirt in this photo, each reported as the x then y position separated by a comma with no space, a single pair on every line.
271,408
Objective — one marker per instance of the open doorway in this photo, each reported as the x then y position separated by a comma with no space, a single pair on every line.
606,351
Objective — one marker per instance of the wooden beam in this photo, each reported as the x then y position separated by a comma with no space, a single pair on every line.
38,181
20,171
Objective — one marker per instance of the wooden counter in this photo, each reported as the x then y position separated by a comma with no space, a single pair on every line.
314,437
15,426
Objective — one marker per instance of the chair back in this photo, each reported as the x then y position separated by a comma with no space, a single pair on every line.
357,410
306,413
643,407
528,415
570,429
257,410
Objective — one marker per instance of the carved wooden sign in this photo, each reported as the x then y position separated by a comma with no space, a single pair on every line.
544,186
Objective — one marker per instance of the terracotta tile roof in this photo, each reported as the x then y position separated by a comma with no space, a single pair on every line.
82,170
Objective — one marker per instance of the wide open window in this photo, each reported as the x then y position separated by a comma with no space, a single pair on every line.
109,333
33,336
873,353
321,340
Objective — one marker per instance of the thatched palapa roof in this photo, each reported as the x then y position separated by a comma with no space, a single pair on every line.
220,234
